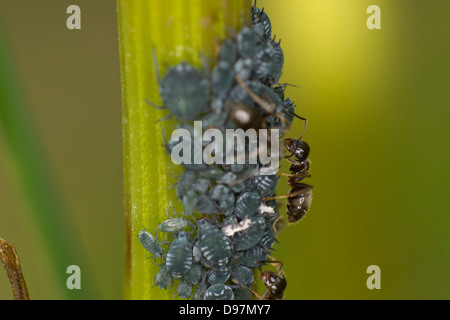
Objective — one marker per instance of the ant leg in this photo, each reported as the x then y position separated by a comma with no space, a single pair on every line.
294,175
268,107
289,195
257,296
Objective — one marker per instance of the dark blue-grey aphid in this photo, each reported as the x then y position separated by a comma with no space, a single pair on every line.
268,237
268,62
163,278
242,275
206,205
253,255
249,237
241,294
185,183
228,51
212,172
216,276
224,198
174,225
184,91
201,289
222,78
184,289
284,115
196,252
201,185
260,20
246,42
265,185
243,68
179,257
213,244
194,274
219,292
150,243
247,204
238,93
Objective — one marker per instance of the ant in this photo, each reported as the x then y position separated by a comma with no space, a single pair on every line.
300,195
275,283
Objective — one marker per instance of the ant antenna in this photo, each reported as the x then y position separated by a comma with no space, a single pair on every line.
306,123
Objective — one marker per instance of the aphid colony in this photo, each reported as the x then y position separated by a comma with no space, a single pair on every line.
226,231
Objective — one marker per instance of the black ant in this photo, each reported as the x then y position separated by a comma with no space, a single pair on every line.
274,282
300,195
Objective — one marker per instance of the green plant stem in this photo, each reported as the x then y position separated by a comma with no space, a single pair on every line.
176,31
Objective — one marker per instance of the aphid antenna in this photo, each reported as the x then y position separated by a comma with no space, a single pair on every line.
265,105
153,105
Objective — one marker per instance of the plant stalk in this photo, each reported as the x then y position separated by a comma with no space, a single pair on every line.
171,31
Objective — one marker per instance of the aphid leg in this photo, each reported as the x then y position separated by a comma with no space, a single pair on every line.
154,105
265,105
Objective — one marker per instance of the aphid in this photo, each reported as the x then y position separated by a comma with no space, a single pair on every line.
268,62
247,204
163,278
265,185
150,243
261,19
228,51
184,91
242,274
206,205
219,292
184,289
179,257
222,78
253,256
248,238
174,225
216,276
213,244
224,198
241,293
194,274
243,68
246,42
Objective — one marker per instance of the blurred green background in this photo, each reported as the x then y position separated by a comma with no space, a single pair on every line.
378,108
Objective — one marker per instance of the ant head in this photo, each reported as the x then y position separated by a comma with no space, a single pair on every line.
297,148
